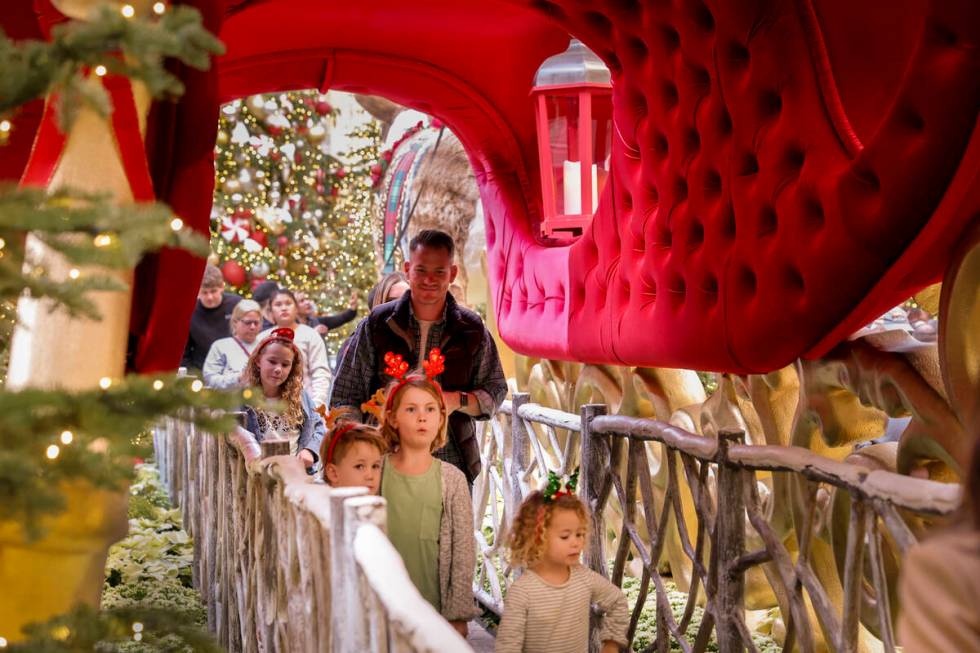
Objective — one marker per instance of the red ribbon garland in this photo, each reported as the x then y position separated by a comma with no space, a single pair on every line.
49,144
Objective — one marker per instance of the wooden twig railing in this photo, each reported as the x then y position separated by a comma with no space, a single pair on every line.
285,564
720,478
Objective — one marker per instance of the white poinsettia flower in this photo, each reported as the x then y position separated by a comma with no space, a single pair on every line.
262,143
239,134
278,120
289,149
251,246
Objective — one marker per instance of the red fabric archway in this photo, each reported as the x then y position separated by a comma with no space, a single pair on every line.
784,170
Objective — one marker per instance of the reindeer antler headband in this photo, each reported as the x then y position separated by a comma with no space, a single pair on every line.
396,367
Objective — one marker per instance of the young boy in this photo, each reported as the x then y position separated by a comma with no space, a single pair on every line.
351,456
211,319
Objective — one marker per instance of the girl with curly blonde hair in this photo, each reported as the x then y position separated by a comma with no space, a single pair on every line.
547,609
275,368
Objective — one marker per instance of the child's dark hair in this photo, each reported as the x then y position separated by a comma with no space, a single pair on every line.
343,436
395,391
283,291
527,533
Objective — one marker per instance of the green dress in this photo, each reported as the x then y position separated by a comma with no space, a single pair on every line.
414,514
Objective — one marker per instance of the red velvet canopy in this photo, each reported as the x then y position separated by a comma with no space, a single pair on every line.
783,170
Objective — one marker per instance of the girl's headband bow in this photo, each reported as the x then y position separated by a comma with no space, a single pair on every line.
553,491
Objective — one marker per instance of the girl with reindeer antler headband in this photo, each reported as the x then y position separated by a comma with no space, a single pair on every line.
430,512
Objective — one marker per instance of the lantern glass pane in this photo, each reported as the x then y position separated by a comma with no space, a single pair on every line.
563,136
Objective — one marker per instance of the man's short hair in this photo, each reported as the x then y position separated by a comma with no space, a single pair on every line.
212,278
434,239
264,291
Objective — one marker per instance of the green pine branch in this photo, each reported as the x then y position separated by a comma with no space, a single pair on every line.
119,629
108,430
87,230
132,47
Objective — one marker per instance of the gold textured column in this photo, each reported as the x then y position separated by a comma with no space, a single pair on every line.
50,349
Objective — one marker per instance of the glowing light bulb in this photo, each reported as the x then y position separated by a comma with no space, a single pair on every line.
52,452
197,385
67,437
176,224
102,240
128,11
100,70
158,385
105,382
159,8
74,273
5,126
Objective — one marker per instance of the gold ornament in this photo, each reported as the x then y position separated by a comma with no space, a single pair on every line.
316,134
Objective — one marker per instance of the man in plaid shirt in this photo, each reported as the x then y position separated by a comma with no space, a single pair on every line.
427,316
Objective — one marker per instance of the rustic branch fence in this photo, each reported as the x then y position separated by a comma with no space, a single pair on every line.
284,564
722,479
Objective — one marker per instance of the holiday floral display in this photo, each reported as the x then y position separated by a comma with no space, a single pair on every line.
287,210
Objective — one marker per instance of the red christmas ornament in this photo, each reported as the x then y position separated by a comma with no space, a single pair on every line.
320,189
334,191
298,158
314,271
260,237
256,281
341,173
386,155
275,155
376,170
233,273
283,241
323,108
273,130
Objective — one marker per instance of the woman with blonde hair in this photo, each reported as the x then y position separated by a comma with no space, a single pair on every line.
227,357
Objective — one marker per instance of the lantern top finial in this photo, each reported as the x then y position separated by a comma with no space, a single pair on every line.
576,65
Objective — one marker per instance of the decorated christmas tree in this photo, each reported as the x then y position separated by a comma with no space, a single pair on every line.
285,208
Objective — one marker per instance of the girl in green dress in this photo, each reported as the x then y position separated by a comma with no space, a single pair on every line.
430,512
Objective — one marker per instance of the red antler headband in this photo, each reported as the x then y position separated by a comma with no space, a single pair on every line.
397,368
339,433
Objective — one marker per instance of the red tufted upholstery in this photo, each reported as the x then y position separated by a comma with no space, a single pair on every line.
786,169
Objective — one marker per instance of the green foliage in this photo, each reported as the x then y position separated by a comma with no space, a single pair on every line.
104,425
86,230
646,628
31,69
116,630
151,568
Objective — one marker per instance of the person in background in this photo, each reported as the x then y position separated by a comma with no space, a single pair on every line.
275,370
324,323
210,319
390,288
940,583
262,294
426,317
316,378
228,356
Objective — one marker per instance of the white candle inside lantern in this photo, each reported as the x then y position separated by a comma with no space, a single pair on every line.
572,187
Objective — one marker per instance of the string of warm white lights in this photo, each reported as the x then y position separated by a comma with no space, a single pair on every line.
284,208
